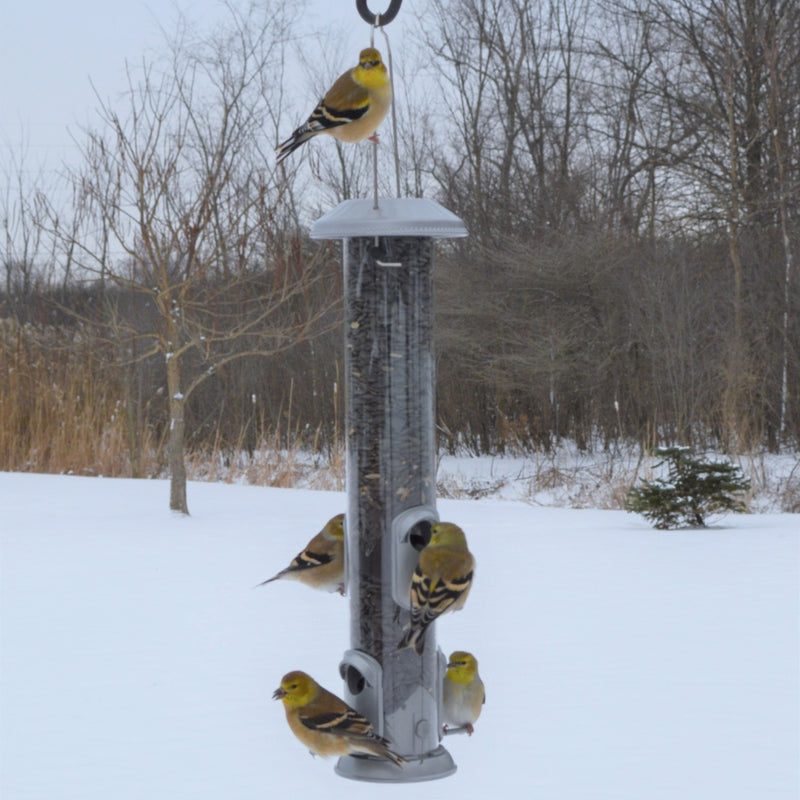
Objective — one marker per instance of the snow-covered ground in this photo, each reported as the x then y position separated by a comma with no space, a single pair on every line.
565,477
620,662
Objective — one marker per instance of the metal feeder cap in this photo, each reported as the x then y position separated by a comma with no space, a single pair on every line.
398,216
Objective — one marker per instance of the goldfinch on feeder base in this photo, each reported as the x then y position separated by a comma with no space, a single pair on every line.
463,692
440,583
326,725
321,564
352,109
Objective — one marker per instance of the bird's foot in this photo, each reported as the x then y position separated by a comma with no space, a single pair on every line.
375,139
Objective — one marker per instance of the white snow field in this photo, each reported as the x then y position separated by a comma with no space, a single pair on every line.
621,662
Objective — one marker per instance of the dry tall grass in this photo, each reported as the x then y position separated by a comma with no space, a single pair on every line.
61,406
63,410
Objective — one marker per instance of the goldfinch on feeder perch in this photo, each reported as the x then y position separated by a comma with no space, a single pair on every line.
321,564
440,583
326,725
353,107
463,693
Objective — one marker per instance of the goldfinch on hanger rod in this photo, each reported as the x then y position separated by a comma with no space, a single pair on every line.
440,583
353,107
321,564
463,692
326,725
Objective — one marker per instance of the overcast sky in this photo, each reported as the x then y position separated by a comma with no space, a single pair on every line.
50,50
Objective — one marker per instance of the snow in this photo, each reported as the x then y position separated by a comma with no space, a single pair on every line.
620,662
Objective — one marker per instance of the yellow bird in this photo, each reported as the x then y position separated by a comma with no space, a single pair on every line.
463,692
440,583
326,725
321,564
353,107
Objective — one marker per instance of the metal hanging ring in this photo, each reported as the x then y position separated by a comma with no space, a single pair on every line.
378,19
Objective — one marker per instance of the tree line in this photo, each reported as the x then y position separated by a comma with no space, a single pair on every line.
629,173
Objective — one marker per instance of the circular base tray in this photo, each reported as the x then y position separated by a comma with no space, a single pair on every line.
437,764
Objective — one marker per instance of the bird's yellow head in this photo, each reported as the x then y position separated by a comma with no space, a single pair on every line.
334,528
296,689
371,71
446,534
462,667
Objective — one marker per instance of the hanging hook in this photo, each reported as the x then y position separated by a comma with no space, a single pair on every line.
375,25
378,19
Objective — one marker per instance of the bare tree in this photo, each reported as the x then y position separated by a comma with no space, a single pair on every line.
735,90
23,243
194,222
514,87
780,42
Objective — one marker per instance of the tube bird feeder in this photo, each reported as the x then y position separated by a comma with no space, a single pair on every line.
391,481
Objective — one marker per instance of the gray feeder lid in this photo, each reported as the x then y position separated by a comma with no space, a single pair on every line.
398,216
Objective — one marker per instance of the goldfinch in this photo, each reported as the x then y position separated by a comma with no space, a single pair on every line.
353,107
326,725
440,583
321,564
463,692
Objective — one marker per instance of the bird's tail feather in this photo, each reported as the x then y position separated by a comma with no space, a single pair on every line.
292,143
381,749
269,580
413,637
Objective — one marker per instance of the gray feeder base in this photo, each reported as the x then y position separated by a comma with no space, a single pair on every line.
438,764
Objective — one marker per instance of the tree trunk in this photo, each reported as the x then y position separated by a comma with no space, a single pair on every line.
175,442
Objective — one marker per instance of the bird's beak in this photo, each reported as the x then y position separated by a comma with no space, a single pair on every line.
278,694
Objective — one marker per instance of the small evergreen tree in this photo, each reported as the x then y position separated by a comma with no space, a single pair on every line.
692,490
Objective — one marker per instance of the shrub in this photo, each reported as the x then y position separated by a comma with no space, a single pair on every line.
692,491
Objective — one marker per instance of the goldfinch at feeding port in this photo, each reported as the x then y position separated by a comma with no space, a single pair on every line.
353,107
463,693
326,725
321,564
440,583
